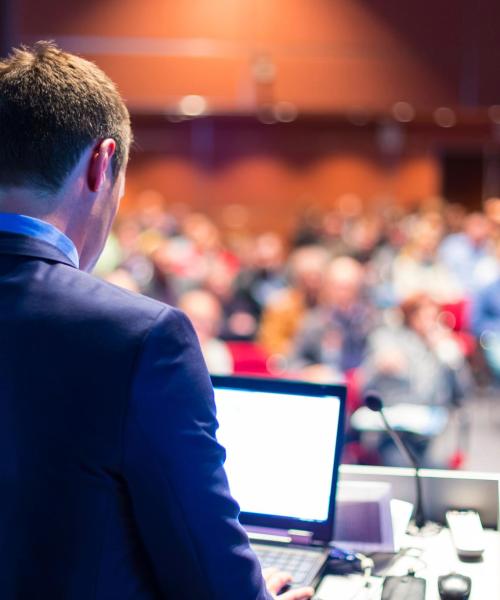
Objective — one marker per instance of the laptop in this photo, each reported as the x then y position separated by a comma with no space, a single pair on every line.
283,441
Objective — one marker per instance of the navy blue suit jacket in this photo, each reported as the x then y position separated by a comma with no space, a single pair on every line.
111,479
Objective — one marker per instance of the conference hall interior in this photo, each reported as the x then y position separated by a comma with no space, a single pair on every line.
317,185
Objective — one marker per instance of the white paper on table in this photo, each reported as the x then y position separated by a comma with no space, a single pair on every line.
401,512
349,587
414,418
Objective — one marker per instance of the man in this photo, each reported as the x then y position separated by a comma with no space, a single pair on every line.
334,333
111,479
485,318
287,308
204,311
467,254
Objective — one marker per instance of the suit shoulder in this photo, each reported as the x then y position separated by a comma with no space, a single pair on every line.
96,299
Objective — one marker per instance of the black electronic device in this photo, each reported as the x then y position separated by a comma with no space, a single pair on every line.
454,586
283,441
374,402
407,587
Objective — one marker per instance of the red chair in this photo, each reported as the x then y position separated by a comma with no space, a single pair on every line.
456,316
249,358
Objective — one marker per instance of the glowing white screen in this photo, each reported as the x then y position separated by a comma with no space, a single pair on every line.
280,451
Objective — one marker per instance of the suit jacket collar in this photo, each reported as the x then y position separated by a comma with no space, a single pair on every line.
23,245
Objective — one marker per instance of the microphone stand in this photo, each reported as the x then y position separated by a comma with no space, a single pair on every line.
419,515
422,525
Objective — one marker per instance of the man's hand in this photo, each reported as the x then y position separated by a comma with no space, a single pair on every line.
275,580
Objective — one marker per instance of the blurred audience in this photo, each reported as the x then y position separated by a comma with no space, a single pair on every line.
360,296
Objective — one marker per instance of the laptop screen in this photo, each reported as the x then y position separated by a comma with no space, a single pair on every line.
282,440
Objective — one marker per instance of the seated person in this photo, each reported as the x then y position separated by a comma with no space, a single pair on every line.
416,361
418,268
334,333
258,281
284,312
467,253
204,312
485,319
240,312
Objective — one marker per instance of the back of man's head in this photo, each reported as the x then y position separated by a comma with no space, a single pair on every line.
54,105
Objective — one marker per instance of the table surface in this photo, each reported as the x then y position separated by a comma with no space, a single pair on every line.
430,557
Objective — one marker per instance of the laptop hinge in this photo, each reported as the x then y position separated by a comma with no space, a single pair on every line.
279,536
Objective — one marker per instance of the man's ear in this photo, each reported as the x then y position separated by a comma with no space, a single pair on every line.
99,163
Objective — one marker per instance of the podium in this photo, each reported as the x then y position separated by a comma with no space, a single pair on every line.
431,556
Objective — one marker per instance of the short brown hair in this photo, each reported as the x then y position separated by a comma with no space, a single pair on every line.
53,105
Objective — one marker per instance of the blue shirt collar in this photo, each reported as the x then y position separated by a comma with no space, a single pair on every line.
40,230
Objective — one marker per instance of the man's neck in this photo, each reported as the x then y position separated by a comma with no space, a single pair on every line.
31,203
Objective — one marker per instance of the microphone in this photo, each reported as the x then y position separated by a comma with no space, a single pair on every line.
374,402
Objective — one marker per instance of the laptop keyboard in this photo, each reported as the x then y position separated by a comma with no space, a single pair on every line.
302,564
